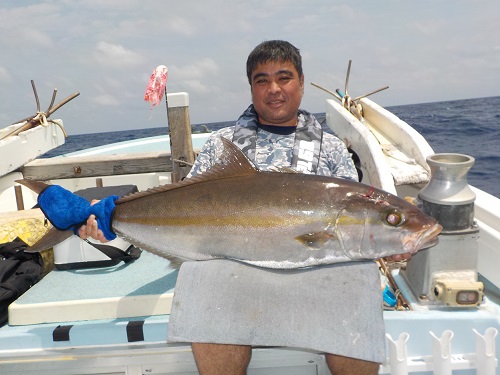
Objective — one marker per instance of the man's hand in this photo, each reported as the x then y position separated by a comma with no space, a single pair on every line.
90,229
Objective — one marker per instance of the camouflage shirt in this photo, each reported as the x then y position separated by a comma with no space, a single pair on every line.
275,151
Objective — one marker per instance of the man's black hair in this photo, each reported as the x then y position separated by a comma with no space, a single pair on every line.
274,50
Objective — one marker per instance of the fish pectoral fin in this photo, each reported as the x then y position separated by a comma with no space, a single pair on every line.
315,240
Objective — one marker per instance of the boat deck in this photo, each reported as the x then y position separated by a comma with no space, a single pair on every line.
116,338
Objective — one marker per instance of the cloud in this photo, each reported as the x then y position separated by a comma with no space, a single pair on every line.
200,77
17,32
107,50
113,5
5,75
197,86
200,69
182,26
312,20
428,27
105,100
36,37
115,55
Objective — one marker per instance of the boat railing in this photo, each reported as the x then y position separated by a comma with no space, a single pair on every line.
100,165
442,361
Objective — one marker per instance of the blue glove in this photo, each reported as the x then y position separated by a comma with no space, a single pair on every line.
68,211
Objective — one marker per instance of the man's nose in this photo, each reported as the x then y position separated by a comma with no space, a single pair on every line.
274,87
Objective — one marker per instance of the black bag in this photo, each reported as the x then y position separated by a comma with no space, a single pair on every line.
19,271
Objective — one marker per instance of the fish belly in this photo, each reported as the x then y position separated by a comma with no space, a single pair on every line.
263,247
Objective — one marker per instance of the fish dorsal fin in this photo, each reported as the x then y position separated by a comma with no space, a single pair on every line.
233,163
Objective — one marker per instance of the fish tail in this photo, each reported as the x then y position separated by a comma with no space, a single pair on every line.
36,186
49,240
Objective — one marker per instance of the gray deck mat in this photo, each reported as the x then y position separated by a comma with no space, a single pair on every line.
333,309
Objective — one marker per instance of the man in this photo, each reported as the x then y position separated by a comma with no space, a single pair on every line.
273,133
268,132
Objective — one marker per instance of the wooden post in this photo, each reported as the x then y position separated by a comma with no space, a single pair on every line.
181,145
19,197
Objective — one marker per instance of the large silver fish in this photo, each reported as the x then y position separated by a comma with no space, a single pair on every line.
270,219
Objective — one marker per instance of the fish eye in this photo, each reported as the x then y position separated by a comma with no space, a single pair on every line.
394,218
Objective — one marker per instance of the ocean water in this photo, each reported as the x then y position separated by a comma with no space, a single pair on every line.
470,127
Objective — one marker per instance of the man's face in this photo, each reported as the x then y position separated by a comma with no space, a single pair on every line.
276,93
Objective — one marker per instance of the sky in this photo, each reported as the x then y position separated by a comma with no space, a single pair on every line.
425,51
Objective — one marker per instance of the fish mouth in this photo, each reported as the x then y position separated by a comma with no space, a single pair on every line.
424,239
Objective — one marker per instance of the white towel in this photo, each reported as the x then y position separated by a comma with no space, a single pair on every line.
334,309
